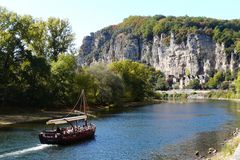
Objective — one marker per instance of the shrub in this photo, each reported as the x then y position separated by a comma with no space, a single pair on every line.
194,84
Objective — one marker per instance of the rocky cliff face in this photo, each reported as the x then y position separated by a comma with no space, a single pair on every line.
196,58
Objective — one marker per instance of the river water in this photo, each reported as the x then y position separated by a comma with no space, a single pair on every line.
160,131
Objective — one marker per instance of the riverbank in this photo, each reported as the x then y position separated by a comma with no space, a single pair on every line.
44,115
185,93
213,94
230,150
8,119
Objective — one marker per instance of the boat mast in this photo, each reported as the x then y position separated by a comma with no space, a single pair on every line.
84,102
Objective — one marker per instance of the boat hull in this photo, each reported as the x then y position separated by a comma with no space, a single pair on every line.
65,139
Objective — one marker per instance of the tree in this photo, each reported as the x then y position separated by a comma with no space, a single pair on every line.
216,80
136,78
212,83
228,75
107,86
35,76
37,35
238,47
25,45
161,84
63,77
59,38
237,83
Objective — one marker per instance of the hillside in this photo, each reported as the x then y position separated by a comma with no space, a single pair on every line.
183,48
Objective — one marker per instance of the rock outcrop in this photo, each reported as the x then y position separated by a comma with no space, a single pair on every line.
198,57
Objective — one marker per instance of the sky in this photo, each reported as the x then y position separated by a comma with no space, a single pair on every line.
86,16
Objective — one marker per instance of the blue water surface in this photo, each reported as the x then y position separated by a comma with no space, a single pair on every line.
160,131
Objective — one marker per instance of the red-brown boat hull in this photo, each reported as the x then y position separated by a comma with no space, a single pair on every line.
65,139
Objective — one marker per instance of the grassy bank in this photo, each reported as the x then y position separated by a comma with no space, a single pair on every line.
171,96
223,94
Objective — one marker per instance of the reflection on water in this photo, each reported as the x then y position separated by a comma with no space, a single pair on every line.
162,131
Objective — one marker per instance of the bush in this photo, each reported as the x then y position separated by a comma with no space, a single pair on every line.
225,85
175,86
161,84
194,84
161,96
215,81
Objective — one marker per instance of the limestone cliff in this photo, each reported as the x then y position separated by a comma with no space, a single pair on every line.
197,57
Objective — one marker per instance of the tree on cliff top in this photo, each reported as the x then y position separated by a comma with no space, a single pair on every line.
222,31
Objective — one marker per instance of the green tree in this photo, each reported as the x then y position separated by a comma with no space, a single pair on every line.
237,84
228,75
25,44
35,75
107,87
212,83
63,78
161,84
59,38
37,38
136,78
216,80
238,47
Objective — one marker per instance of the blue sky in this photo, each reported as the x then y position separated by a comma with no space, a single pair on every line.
88,16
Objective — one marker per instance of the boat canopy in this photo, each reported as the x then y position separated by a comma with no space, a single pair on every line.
66,120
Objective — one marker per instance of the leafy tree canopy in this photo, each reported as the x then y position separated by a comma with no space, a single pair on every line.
222,31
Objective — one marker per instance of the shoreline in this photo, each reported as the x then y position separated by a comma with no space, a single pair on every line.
230,149
44,115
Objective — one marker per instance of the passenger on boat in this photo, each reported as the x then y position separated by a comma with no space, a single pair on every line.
58,130
85,123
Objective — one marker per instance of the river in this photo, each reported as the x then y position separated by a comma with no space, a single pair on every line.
160,131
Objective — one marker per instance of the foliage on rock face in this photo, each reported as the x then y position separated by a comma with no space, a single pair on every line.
222,31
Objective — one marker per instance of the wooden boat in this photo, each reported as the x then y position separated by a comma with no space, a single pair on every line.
74,132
